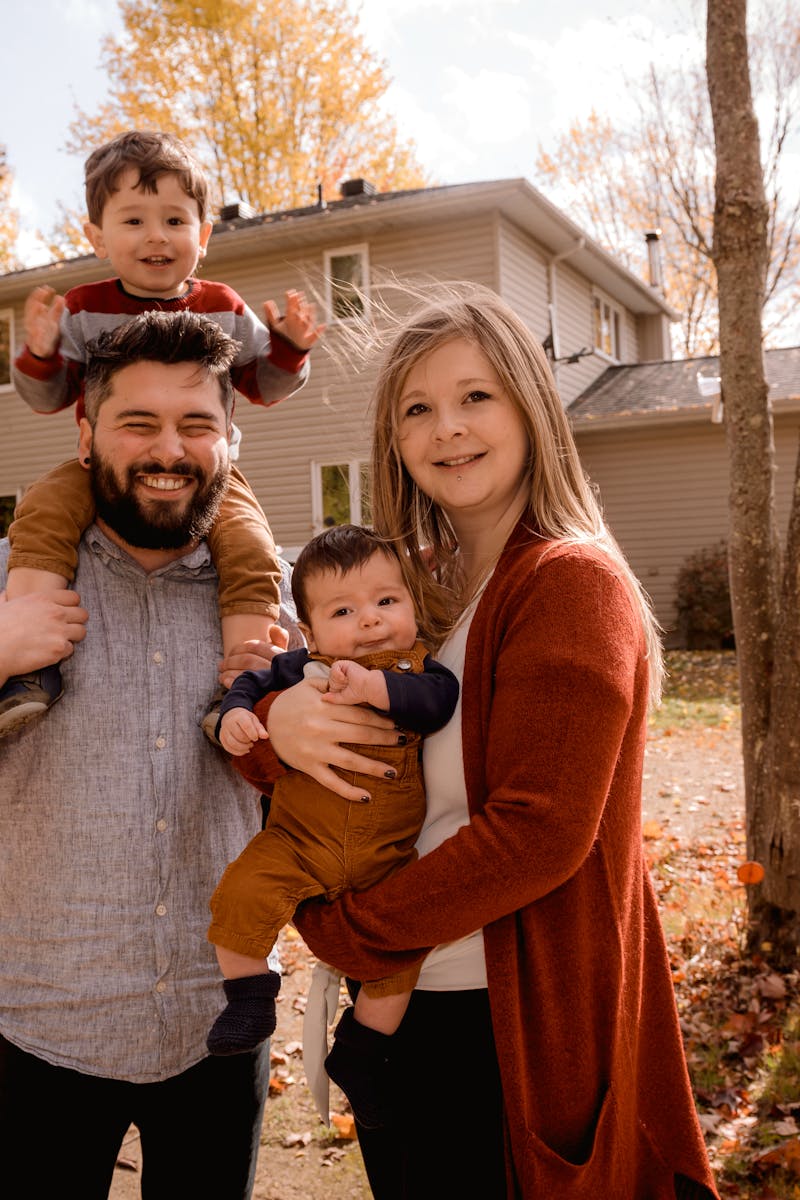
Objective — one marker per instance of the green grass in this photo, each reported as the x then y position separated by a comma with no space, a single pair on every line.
701,688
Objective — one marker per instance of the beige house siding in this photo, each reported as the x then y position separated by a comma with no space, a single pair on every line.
522,278
654,339
573,297
664,490
31,443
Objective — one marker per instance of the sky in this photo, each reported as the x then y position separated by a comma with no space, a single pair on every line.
479,85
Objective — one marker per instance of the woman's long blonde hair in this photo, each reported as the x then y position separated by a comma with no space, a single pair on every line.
562,504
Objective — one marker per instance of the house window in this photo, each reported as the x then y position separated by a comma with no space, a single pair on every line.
347,282
339,494
7,506
6,342
607,328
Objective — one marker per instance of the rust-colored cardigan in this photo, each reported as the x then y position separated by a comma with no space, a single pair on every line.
597,1094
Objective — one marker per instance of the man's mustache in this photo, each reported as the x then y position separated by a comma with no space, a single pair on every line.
159,469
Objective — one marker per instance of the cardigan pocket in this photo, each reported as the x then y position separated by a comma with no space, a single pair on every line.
544,1172
622,1164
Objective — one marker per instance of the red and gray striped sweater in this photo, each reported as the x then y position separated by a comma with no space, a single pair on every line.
267,368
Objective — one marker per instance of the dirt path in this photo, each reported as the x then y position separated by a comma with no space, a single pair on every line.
693,780
693,784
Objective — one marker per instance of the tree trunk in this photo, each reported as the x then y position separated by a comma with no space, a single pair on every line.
776,911
764,628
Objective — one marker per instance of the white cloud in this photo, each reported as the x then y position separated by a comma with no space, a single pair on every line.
592,65
487,106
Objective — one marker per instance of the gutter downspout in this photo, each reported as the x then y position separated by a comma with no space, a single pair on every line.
552,302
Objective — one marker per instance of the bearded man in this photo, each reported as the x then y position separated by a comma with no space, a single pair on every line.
117,816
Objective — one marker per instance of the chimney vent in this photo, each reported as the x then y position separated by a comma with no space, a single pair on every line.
230,212
356,187
653,237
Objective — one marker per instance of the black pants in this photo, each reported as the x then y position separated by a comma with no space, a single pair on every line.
447,1135
60,1130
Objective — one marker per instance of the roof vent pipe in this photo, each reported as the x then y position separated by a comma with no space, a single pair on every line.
356,187
653,237
236,211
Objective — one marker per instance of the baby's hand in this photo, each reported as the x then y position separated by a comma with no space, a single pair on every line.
350,683
240,730
41,321
298,324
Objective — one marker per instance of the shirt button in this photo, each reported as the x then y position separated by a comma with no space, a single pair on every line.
404,664
158,657
161,986
161,910
161,825
160,743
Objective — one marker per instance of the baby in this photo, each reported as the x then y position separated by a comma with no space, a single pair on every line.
358,618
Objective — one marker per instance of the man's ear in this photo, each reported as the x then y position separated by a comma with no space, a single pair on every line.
308,635
94,235
205,234
84,442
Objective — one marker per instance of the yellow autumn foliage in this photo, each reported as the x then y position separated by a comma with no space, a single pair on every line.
276,97
9,219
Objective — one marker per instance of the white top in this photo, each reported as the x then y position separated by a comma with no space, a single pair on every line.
454,966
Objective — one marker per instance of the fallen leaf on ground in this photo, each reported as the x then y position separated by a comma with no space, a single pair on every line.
345,1126
750,872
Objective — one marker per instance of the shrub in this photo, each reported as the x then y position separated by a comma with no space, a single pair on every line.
703,600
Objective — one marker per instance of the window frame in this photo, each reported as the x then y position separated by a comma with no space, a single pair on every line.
7,500
615,325
8,314
361,250
356,471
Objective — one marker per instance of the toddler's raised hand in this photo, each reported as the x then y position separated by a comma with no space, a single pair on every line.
298,324
41,320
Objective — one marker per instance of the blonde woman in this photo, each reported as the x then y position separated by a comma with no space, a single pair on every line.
541,1055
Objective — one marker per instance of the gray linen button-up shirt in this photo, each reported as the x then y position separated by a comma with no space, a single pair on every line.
117,818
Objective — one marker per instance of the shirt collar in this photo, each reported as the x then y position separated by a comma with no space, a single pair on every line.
196,562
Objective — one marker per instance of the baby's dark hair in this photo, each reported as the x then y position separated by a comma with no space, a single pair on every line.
153,155
160,337
337,549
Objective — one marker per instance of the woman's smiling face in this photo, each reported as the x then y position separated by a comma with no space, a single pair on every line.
460,436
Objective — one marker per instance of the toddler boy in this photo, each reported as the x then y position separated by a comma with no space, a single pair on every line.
147,201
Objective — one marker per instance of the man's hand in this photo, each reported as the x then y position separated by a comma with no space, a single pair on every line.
252,655
298,324
38,630
41,321
240,730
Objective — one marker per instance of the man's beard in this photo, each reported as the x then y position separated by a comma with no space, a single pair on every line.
156,525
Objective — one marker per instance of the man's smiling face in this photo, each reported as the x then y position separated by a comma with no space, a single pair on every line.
159,455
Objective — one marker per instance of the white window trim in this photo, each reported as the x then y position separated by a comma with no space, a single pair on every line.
354,466
9,314
615,310
361,249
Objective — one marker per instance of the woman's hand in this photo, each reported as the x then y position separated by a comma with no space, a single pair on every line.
307,734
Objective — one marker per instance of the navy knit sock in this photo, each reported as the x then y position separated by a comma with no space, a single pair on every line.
249,1016
359,1064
